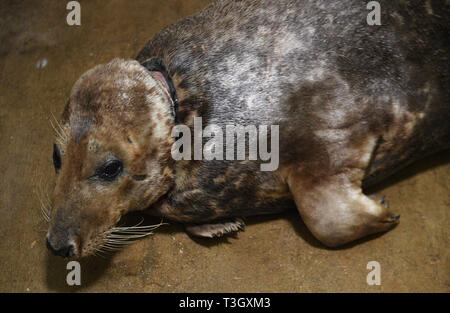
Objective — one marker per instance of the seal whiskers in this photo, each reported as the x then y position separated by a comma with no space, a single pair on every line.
44,201
60,138
59,130
118,237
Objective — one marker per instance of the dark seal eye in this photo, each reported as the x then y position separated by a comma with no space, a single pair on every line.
110,170
56,157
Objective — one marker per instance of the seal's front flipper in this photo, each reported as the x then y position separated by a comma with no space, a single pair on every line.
336,211
215,229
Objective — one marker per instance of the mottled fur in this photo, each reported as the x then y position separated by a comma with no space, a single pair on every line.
354,103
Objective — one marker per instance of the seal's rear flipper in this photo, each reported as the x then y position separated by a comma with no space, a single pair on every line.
217,229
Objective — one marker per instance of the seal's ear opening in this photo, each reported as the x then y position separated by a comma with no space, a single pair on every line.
157,65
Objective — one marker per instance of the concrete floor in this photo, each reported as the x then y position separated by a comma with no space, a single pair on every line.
274,254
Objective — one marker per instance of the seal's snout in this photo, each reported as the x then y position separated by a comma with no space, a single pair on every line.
63,249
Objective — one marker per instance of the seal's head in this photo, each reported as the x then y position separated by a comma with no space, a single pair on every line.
112,155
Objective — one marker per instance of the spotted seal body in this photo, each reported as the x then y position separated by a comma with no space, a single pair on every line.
354,103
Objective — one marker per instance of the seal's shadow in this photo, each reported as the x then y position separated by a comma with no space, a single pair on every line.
423,165
92,269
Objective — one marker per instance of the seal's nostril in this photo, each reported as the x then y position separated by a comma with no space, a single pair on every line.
65,251
71,251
